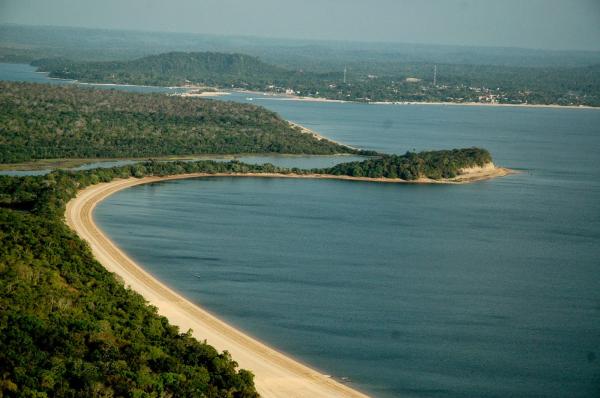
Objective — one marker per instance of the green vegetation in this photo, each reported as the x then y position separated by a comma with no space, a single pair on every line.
383,81
411,166
45,122
175,68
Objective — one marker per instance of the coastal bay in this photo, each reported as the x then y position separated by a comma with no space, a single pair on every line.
500,252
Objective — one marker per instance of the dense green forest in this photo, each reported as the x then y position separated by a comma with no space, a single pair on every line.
381,81
45,121
410,166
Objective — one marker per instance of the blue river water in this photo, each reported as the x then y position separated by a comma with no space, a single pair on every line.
483,290
490,289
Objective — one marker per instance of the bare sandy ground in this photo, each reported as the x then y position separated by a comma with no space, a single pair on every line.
318,136
205,94
277,375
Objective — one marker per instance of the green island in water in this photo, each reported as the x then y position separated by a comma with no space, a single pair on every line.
68,327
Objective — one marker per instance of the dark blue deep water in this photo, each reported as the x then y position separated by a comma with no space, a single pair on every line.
484,290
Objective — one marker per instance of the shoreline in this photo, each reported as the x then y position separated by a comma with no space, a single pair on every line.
67,163
286,97
438,103
276,375
484,104
306,130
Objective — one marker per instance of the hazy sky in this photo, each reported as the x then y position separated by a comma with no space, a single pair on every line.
553,24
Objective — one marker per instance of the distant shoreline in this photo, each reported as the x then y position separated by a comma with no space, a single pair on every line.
486,104
439,103
68,163
287,97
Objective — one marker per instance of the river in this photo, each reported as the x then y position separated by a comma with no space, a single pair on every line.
490,289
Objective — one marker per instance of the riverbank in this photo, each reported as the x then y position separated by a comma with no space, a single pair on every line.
484,104
50,164
288,97
440,103
276,375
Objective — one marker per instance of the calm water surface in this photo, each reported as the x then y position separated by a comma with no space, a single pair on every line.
483,290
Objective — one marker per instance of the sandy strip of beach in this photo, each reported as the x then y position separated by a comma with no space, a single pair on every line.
288,97
276,375
318,136
204,94
483,104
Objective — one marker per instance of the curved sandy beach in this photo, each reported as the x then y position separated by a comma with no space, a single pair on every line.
276,375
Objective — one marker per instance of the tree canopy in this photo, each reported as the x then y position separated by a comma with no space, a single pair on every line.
40,121
411,166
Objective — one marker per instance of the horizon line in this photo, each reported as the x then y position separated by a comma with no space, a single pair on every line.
292,39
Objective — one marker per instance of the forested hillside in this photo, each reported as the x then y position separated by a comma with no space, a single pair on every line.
43,121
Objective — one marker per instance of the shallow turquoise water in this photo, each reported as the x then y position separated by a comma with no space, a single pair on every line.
483,290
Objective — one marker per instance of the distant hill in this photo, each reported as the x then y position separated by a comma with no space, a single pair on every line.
173,68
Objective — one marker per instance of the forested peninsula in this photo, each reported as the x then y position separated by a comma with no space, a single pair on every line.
48,122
